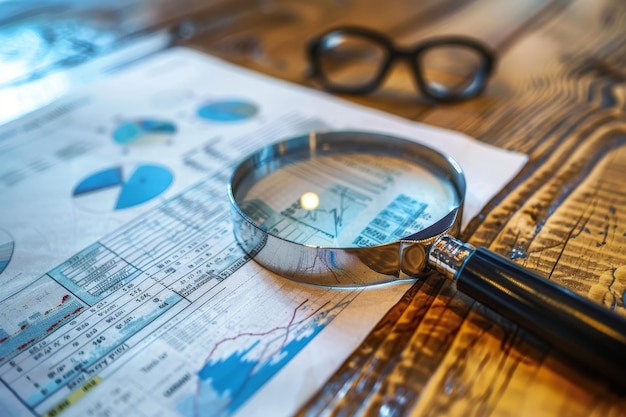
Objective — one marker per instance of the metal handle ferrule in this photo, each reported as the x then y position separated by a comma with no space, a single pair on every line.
447,255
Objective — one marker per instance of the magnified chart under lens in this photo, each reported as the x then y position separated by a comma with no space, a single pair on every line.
122,187
6,249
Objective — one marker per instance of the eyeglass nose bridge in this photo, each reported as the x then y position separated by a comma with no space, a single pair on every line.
407,56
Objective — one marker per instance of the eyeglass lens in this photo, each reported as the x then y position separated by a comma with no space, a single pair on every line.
450,69
354,62
351,61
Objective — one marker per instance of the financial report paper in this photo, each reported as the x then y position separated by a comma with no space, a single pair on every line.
122,289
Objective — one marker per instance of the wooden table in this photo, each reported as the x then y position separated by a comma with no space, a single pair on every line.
559,95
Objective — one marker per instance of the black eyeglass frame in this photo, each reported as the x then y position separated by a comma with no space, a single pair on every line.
412,54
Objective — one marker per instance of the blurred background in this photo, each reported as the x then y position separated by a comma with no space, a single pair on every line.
48,48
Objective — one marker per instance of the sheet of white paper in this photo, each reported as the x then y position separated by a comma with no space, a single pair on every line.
122,289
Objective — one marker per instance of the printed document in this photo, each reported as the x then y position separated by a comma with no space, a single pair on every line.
122,289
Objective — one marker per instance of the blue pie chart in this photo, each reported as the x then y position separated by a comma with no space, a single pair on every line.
143,132
6,249
227,110
122,187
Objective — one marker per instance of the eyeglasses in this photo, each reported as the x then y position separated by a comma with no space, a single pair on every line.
356,60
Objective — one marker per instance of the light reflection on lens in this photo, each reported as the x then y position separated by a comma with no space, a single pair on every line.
309,201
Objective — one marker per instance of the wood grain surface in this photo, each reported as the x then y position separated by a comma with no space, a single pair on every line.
559,95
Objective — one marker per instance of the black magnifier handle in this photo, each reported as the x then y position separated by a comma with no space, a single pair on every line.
582,330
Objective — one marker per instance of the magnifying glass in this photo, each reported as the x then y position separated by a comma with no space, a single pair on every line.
353,209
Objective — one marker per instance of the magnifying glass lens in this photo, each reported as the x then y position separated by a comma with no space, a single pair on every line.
345,208
348,199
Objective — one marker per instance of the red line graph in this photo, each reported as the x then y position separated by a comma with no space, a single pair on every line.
286,328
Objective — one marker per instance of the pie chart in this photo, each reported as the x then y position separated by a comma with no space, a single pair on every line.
6,249
143,132
227,110
122,187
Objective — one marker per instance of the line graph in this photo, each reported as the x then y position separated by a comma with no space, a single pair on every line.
338,206
24,325
238,366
